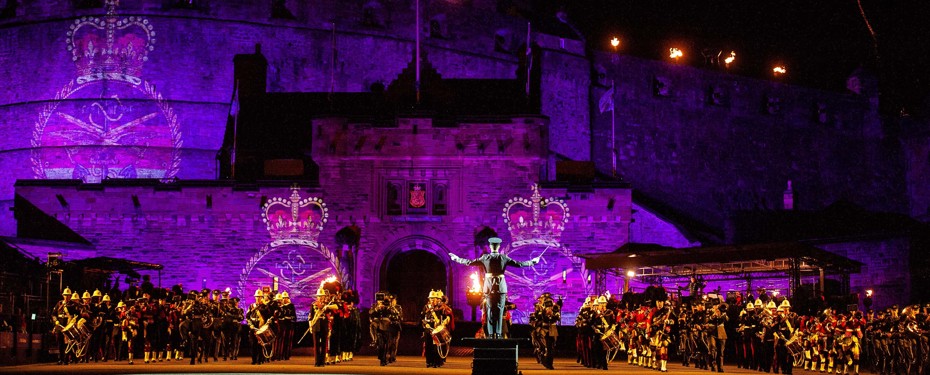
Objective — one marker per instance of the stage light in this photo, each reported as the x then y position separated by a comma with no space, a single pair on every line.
675,53
630,273
868,293
615,42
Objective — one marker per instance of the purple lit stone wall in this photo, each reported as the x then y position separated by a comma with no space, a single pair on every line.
916,144
174,226
884,270
712,142
218,245
356,174
647,227
191,63
564,86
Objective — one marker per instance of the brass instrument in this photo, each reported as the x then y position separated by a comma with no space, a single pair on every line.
316,316
256,317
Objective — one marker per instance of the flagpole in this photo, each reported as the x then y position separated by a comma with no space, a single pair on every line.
417,83
232,156
332,68
529,56
613,129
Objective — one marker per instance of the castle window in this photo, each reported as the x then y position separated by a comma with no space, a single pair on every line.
187,4
9,10
440,197
85,4
279,10
437,28
502,41
394,198
373,14
660,86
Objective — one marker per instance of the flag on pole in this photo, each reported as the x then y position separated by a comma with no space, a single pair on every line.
529,56
234,107
234,113
607,101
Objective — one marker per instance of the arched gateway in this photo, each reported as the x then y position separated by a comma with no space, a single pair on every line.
410,268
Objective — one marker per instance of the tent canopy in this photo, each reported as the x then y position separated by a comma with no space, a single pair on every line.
124,266
652,259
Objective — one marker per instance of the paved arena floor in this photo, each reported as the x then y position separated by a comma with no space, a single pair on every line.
361,365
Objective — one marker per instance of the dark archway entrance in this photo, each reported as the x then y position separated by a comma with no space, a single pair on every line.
410,276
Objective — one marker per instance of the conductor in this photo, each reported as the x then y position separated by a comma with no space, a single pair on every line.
495,286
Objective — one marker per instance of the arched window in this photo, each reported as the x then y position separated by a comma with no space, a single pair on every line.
373,14
440,197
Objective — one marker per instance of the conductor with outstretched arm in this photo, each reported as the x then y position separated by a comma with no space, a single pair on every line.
495,287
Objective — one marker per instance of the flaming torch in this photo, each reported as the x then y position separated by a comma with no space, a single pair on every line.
779,70
730,59
675,53
474,295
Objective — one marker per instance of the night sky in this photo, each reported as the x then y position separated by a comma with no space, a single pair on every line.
820,42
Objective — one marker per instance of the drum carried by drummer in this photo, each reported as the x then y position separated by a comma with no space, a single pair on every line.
438,323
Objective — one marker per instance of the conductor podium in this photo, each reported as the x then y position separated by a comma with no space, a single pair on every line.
495,356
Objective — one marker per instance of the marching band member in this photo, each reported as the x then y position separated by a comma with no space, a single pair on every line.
63,313
784,331
382,318
321,313
602,322
436,319
258,317
582,340
544,321
232,316
129,322
718,334
352,325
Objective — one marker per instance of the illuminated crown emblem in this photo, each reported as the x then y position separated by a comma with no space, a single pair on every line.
295,220
109,47
535,220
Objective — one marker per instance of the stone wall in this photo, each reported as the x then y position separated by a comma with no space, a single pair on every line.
191,63
707,142
212,232
886,269
483,169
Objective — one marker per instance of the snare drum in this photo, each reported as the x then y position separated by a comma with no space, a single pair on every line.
795,346
70,331
82,331
611,340
441,335
264,335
